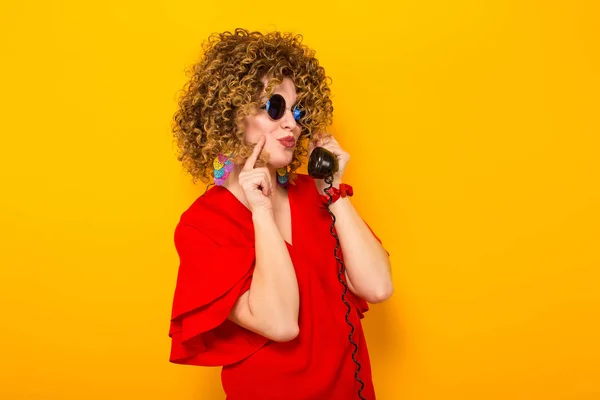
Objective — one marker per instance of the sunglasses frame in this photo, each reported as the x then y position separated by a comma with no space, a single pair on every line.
296,112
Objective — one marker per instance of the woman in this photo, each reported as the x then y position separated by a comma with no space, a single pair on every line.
257,289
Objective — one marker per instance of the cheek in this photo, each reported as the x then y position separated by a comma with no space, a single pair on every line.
256,126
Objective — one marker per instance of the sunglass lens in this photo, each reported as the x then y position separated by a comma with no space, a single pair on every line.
276,106
298,114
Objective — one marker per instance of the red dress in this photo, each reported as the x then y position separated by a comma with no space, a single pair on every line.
215,243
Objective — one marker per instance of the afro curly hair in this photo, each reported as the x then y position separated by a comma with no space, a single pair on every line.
226,85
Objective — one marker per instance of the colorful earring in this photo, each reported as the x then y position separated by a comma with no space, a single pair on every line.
222,167
282,176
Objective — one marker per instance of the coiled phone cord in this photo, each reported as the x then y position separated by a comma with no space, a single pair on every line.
329,181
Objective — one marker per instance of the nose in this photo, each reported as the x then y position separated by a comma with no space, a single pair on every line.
288,121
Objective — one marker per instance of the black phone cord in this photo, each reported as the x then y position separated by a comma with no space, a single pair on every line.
329,181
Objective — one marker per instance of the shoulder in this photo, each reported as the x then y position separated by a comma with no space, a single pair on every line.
304,183
306,188
197,212
302,179
218,215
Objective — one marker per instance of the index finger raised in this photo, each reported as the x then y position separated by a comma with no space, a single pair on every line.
249,165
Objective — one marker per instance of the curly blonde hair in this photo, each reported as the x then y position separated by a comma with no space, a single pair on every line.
225,86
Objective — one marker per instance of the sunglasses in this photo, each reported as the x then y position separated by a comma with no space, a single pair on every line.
275,107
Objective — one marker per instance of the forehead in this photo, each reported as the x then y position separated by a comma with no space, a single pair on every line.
286,88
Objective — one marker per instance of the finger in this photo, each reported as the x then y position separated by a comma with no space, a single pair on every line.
267,188
249,165
314,144
258,178
264,187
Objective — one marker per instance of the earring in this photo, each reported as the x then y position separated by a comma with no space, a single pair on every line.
282,176
222,167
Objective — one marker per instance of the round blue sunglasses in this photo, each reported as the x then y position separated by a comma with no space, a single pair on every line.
275,107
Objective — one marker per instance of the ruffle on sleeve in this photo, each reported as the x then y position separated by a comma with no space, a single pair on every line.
209,281
361,305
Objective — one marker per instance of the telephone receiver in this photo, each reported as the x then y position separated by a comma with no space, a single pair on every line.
322,164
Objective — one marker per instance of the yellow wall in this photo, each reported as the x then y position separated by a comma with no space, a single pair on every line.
473,128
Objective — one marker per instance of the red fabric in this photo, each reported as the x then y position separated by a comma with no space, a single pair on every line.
215,243
343,191
346,190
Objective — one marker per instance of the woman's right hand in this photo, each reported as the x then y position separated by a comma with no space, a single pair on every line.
256,182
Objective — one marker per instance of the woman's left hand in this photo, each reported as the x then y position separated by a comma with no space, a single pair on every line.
343,157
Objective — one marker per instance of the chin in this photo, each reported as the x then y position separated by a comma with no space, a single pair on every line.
280,162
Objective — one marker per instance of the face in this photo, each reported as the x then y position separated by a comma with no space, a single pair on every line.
261,124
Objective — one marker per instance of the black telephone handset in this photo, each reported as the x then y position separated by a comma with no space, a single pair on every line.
322,165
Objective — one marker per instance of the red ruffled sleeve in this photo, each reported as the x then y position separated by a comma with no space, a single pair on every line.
209,281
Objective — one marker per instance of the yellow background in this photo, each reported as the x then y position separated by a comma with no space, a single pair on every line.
473,129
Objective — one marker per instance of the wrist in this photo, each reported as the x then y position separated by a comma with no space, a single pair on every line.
261,214
322,185
340,204
344,191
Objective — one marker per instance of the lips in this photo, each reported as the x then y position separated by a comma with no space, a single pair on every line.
288,141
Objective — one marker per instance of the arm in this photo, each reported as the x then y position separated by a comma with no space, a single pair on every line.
270,306
367,264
